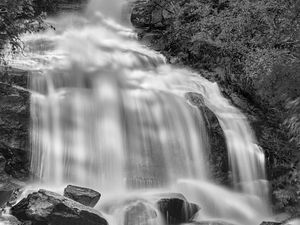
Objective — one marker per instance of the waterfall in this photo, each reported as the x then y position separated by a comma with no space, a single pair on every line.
111,114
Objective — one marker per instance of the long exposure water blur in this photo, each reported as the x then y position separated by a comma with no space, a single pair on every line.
111,114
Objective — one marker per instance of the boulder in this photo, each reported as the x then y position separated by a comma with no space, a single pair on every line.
14,122
9,220
176,209
139,212
140,14
8,192
85,196
45,207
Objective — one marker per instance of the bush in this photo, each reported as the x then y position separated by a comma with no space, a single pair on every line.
254,47
18,17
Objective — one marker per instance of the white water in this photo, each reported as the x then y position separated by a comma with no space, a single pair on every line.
110,114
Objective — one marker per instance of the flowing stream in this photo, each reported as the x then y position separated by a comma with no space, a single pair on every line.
111,114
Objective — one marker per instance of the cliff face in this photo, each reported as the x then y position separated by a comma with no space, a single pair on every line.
14,122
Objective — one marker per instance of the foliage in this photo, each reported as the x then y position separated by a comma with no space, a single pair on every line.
253,46
287,191
18,17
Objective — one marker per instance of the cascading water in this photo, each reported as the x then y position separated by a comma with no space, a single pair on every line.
109,113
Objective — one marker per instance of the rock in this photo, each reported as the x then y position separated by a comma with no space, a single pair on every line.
14,121
5,196
270,223
139,213
294,220
176,209
9,220
2,163
140,14
45,207
85,196
195,99
208,223
7,192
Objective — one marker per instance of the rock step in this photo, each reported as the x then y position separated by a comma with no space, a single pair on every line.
85,196
45,207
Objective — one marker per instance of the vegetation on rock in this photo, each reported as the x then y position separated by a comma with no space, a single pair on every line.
251,47
18,17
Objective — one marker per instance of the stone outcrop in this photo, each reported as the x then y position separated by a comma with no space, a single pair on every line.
10,220
48,208
218,155
14,122
54,7
85,196
140,212
151,14
175,208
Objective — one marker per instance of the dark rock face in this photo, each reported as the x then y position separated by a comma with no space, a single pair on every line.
140,15
270,223
48,208
152,15
176,209
9,191
294,220
54,7
209,223
14,122
218,156
85,196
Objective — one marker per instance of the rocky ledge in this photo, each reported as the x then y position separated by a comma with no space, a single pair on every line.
48,208
14,124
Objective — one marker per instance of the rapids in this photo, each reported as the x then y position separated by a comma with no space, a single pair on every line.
111,114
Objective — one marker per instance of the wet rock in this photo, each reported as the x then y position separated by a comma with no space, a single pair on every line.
5,194
14,121
209,223
219,154
270,223
9,191
139,213
85,196
9,220
45,207
176,209
140,14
